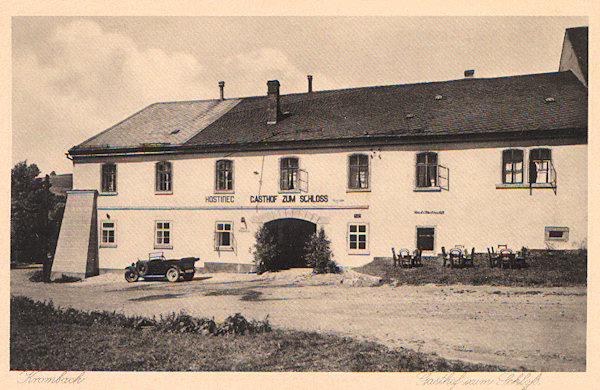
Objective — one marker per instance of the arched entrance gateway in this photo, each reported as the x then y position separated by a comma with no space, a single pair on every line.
291,235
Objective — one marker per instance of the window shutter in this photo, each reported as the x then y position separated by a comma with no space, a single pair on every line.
443,178
303,180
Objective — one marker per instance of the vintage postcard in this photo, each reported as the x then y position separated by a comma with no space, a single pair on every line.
298,193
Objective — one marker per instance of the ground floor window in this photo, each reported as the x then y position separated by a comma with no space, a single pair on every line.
223,236
162,234
357,236
554,233
425,238
108,233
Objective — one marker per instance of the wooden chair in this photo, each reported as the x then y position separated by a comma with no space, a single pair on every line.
456,258
444,256
405,259
492,257
416,260
521,258
469,258
507,258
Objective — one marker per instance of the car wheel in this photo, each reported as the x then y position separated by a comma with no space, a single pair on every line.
172,274
188,277
131,276
142,268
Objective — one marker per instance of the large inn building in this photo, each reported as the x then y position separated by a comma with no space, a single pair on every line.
477,162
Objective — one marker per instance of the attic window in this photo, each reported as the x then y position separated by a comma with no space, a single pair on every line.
174,131
550,100
438,97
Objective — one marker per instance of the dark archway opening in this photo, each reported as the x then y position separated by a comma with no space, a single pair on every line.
291,236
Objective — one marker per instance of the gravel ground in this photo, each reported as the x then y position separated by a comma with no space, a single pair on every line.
542,329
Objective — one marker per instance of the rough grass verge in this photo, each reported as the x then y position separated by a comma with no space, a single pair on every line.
38,276
546,268
43,337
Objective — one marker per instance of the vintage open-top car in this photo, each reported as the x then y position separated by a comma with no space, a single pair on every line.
158,265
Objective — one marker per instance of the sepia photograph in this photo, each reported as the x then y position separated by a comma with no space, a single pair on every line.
299,194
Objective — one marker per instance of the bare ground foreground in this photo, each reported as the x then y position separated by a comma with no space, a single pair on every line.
542,329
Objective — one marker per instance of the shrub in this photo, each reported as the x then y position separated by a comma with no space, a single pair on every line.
318,255
266,250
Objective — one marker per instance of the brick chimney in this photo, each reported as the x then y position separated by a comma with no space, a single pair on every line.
273,110
222,88
309,77
469,73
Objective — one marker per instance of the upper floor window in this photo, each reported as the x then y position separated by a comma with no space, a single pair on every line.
224,175
427,169
540,162
289,174
109,178
358,172
164,176
512,166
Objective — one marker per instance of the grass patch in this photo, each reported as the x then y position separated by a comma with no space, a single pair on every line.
43,337
546,268
38,276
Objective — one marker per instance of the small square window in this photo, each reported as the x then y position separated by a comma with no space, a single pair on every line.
554,233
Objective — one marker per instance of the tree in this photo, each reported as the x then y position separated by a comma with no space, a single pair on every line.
266,250
31,202
318,255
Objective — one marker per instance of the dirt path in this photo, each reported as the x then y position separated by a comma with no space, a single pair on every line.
536,328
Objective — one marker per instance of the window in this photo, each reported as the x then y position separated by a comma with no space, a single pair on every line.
357,237
162,234
107,234
358,172
164,176
553,233
289,174
224,175
109,178
425,238
512,166
539,165
223,236
427,169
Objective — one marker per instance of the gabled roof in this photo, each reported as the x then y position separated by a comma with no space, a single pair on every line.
528,103
171,123
578,36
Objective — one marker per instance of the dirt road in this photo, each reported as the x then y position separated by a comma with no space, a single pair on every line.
542,329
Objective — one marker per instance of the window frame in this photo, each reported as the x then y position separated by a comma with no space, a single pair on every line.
217,239
349,186
513,171
417,227
547,161
563,229
427,165
366,233
297,179
157,178
102,181
162,245
101,242
224,191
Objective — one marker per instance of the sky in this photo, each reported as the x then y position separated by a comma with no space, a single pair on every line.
73,77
